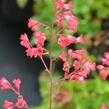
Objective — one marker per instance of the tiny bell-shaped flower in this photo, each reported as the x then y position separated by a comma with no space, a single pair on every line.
17,83
4,84
20,103
32,23
103,74
8,105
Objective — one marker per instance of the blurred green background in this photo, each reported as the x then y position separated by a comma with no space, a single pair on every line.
94,25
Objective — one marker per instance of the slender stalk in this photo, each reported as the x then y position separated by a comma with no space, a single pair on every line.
51,62
44,64
51,83
18,93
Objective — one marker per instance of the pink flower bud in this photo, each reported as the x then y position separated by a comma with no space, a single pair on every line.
62,6
68,6
4,84
105,61
66,67
66,40
32,23
20,103
8,105
17,83
41,37
25,44
30,52
63,56
60,1
103,74
100,67
24,40
80,39
70,52
106,55
24,37
38,51
76,64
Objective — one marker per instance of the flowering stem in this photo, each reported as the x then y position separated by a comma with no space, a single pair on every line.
18,94
51,62
51,70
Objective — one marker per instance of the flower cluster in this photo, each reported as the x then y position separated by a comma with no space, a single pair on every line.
82,66
39,43
5,85
66,39
104,67
76,65
66,16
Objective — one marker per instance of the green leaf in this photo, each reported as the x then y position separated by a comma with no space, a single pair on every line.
21,3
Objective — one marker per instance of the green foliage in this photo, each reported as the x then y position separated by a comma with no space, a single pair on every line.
44,11
90,13
21,3
94,92
89,95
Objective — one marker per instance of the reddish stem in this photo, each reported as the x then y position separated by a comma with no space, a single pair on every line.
44,64
18,94
51,62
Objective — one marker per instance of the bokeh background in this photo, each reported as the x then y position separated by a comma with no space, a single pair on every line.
93,24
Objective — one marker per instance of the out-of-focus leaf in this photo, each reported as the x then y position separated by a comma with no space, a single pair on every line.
21,3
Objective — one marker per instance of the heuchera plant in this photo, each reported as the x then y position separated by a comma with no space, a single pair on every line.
82,66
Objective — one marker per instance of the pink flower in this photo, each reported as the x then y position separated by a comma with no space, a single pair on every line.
106,55
68,6
8,105
84,73
72,21
104,107
41,37
38,51
62,6
30,52
66,67
60,1
34,52
4,84
24,40
77,78
17,83
68,16
63,56
72,25
70,52
32,23
60,20
105,61
80,39
100,67
24,37
20,103
89,65
103,74
65,40
77,54
76,64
